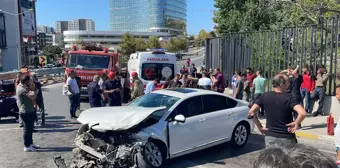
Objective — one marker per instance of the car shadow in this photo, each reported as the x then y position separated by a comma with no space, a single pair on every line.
219,153
56,130
56,149
54,117
8,120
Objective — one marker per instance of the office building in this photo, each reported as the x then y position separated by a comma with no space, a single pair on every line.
61,26
168,16
110,39
45,29
79,24
44,39
18,33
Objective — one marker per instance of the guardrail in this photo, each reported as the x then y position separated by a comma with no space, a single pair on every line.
39,72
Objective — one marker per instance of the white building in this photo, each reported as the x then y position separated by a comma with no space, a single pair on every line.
110,39
45,29
78,24
57,38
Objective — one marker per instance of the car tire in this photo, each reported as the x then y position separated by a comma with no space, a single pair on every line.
240,135
151,157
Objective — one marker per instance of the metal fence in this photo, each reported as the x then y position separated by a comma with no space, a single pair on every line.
276,50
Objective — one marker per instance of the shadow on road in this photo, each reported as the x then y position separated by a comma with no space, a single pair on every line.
219,153
54,117
57,130
8,120
56,149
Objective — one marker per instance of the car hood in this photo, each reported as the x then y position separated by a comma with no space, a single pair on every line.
115,118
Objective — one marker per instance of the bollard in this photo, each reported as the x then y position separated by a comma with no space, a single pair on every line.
330,124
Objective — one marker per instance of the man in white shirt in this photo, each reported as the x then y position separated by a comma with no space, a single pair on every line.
337,129
74,97
205,82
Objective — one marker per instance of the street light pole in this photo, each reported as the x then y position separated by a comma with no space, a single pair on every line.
17,34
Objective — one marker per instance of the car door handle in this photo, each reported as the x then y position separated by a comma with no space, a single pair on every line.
202,120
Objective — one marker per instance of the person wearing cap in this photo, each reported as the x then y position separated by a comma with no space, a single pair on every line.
95,92
138,87
112,87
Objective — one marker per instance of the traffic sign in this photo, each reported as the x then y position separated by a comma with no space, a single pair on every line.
42,59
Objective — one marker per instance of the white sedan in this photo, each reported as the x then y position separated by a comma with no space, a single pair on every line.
162,125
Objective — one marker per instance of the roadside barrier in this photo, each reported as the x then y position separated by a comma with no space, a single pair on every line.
46,72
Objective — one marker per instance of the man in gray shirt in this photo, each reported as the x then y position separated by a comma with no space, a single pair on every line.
26,97
239,86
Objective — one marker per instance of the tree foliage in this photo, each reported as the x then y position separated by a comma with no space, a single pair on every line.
52,50
154,42
141,45
128,45
254,15
176,45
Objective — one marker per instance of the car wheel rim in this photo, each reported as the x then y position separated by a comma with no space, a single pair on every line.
153,154
241,135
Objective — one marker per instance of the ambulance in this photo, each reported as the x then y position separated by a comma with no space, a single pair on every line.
155,63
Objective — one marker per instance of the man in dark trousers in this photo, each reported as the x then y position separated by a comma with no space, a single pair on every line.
112,87
95,92
26,98
40,100
320,89
278,105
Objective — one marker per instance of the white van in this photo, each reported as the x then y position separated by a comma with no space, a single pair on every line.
153,64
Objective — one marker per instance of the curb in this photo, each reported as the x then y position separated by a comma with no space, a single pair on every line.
309,136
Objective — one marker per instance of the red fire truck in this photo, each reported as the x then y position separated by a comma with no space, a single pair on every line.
88,62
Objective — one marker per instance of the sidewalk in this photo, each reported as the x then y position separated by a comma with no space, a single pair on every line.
313,128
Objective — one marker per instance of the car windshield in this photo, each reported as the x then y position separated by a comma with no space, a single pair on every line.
162,71
83,61
155,100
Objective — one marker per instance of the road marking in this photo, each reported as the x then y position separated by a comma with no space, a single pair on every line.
307,135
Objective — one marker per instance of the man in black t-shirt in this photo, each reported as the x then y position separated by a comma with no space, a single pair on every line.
278,106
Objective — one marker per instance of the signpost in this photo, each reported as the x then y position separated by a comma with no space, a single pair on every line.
42,60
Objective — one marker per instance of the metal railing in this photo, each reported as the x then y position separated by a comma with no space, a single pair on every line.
275,50
39,72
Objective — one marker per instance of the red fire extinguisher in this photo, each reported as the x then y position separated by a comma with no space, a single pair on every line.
330,124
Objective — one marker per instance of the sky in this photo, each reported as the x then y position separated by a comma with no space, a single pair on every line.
49,11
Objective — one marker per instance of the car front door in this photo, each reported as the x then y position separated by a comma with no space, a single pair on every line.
218,116
187,135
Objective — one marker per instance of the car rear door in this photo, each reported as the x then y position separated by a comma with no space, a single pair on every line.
218,118
191,133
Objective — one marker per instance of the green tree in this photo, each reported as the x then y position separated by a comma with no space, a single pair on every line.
177,45
52,50
141,45
127,46
154,42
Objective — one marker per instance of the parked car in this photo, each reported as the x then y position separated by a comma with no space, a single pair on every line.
49,66
161,125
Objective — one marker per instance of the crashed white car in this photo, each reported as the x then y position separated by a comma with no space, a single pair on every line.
161,125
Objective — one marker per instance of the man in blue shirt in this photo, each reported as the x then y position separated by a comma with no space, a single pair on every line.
151,86
95,92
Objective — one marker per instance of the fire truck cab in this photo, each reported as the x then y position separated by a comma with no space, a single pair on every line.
87,63
156,63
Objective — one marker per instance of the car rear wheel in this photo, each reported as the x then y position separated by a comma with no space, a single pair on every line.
240,135
152,156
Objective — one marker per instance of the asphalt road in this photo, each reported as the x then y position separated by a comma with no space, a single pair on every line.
57,139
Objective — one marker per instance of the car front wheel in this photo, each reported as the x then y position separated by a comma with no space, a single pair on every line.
151,157
240,135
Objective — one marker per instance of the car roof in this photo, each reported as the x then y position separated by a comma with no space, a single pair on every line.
184,93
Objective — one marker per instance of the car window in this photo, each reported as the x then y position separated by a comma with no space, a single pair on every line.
154,100
188,108
213,103
231,103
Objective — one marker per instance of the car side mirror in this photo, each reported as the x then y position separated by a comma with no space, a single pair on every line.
180,118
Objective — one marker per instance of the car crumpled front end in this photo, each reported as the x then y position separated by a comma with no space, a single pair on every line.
109,149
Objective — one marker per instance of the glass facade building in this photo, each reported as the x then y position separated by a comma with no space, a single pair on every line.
149,16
